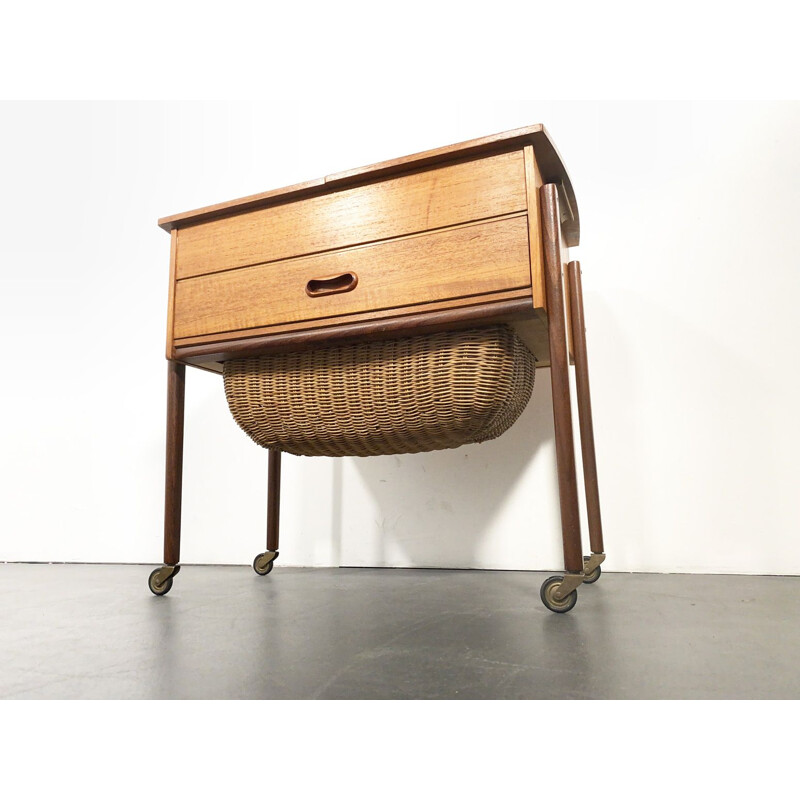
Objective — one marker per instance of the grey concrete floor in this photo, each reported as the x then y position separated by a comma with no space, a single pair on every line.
95,631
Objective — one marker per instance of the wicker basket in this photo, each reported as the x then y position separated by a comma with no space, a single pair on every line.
429,392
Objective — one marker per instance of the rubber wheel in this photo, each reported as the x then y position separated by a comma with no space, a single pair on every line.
158,589
559,606
263,570
594,575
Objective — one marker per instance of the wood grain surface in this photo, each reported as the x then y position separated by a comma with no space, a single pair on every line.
322,322
468,260
423,201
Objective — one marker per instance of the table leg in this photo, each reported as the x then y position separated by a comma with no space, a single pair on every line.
160,581
585,419
562,411
264,562
273,499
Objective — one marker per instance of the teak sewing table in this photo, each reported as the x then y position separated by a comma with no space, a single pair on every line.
453,238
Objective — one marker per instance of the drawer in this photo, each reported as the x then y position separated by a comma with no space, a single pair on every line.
435,198
469,260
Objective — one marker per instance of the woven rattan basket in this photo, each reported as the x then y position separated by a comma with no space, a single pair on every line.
428,392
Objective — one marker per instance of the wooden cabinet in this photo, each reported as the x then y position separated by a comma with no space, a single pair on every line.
387,248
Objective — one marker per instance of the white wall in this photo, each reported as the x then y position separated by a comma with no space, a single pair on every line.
691,279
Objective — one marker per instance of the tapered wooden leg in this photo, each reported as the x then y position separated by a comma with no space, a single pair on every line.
160,581
585,407
264,562
562,411
273,499
176,387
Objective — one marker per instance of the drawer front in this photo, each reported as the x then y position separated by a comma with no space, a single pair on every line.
461,262
436,198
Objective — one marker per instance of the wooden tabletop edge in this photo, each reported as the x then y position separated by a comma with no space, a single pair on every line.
241,203
552,166
437,154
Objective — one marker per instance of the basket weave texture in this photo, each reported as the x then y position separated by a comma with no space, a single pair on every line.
428,392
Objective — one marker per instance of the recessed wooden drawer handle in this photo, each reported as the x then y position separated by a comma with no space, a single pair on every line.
333,284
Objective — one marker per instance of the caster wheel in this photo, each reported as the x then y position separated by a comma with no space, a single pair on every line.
594,575
260,567
157,587
559,606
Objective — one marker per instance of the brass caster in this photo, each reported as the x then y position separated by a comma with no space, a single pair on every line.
592,563
594,575
160,580
264,562
550,595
